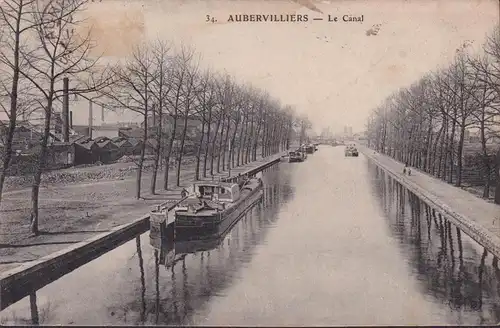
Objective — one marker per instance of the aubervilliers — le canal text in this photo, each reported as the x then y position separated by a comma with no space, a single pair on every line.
292,18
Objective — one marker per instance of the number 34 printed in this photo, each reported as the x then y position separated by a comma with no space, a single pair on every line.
211,19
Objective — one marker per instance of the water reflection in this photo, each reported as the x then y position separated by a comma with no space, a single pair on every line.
450,266
200,269
34,309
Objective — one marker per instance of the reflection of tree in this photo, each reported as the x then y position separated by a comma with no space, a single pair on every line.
143,281
174,293
480,274
157,285
34,309
186,301
449,275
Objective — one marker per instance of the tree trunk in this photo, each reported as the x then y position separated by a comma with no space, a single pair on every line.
225,165
443,151
486,159
181,150
271,139
250,143
141,157
428,149
434,152
207,146
200,146
384,137
7,156
233,139
212,148
168,153
264,140
497,175
40,167
221,140
241,139
451,150
459,154
256,141
243,142
158,147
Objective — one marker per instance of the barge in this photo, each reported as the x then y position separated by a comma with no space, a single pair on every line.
309,149
211,208
295,156
351,151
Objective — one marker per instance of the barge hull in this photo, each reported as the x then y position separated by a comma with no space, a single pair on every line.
217,224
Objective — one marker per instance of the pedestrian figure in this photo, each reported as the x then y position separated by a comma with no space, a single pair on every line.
404,170
409,171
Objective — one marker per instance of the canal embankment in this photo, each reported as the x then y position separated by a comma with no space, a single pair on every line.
24,279
474,216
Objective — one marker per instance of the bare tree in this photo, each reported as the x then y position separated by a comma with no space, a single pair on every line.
236,115
487,103
224,88
57,52
161,87
174,103
190,71
16,20
132,90
461,86
262,100
206,99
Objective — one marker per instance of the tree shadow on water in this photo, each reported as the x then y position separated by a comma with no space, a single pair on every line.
447,267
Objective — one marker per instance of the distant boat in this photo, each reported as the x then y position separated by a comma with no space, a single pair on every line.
351,151
214,207
309,149
302,150
295,156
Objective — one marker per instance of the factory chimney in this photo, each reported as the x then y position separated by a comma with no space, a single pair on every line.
65,111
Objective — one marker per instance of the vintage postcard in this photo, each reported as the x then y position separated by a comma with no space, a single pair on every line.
249,162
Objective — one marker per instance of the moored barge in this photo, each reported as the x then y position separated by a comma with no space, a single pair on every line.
309,149
212,208
295,156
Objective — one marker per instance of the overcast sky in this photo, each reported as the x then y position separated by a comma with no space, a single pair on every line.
333,72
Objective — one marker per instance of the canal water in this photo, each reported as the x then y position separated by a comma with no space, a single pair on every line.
334,241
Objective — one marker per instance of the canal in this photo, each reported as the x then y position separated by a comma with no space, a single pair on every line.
334,241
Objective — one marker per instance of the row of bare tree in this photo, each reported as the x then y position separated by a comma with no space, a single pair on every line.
41,43
168,89
426,124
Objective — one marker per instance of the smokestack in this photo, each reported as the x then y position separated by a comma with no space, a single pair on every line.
90,119
71,119
65,111
102,113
